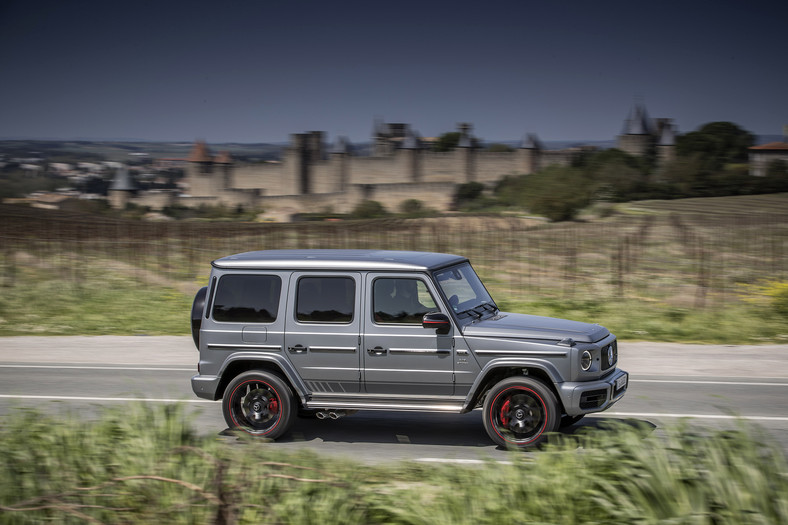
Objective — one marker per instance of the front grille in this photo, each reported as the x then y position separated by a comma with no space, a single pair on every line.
593,398
605,363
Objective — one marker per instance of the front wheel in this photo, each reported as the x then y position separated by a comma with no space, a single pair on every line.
259,403
519,411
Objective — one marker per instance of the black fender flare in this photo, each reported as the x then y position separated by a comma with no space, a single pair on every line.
545,367
289,373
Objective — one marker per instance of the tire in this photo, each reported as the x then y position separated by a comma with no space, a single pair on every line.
260,404
568,421
519,412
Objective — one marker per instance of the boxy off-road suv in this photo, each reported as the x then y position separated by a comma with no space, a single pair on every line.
283,333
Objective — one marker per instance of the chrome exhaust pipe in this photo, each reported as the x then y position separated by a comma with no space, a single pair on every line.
322,414
336,414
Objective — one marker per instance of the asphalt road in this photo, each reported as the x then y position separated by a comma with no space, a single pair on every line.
713,386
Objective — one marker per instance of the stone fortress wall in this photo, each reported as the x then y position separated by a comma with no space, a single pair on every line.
312,177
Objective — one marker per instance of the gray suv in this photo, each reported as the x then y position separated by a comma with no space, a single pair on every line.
322,333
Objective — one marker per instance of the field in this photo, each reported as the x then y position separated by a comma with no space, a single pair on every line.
702,270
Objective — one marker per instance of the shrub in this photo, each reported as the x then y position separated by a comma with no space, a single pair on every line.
369,210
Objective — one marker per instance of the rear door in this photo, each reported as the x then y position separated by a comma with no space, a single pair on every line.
323,330
399,355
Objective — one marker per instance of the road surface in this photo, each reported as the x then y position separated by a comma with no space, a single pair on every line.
712,385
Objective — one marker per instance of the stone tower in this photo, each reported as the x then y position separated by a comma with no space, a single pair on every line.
411,148
467,146
666,145
637,136
531,153
339,159
121,189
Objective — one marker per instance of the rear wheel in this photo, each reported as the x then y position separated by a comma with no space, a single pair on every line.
519,411
259,403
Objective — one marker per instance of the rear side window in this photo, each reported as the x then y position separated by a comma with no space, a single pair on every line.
325,299
247,299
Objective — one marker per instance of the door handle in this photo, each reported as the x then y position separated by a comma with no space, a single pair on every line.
378,350
297,349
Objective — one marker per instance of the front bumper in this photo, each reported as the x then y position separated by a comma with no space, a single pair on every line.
593,396
205,386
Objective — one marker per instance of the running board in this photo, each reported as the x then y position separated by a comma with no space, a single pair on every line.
398,406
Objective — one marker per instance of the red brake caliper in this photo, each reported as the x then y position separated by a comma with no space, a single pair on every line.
273,406
505,413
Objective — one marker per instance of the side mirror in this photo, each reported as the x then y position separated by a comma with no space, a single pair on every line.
437,321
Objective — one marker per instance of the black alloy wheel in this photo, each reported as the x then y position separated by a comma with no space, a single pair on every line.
519,412
259,403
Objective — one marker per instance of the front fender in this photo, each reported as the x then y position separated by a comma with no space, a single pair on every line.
489,369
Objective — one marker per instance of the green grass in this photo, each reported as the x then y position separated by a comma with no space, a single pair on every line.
641,320
146,464
103,301
100,302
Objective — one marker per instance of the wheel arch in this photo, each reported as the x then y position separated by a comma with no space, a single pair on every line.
498,370
240,363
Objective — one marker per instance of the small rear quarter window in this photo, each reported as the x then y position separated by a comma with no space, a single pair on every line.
247,298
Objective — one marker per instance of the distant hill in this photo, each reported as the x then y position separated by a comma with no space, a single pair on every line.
119,151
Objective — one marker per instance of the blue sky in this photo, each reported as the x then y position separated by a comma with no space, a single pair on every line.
256,71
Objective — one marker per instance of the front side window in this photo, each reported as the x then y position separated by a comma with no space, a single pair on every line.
325,299
247,298
464,290
401,300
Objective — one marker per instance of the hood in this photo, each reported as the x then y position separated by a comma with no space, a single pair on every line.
523,326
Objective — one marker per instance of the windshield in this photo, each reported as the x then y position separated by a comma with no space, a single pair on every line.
465,291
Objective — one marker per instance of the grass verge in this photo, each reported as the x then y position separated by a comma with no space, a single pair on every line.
106,301
101,302
145,464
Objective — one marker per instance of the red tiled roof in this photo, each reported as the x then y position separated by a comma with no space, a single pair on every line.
772,146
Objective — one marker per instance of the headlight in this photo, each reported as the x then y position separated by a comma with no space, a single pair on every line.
611,355
585,360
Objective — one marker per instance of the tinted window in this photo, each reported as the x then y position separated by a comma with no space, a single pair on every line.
325,299
247,298
401,300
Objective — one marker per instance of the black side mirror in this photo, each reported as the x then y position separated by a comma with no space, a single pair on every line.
437,321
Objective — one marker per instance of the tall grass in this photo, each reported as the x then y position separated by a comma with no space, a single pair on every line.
144,464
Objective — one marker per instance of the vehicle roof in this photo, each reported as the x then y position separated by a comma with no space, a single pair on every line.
383,260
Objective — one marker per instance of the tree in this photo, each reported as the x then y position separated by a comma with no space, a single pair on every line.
499,148
558,192
467,193
716,144
369,210
447,141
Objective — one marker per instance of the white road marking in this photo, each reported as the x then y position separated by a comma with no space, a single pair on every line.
685,382
599,414
86,398
691,416
461,461
73,367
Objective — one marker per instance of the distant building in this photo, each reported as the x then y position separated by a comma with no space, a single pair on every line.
643,136
762,156
313,176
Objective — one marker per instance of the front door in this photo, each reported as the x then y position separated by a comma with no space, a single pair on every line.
399,355
323,330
